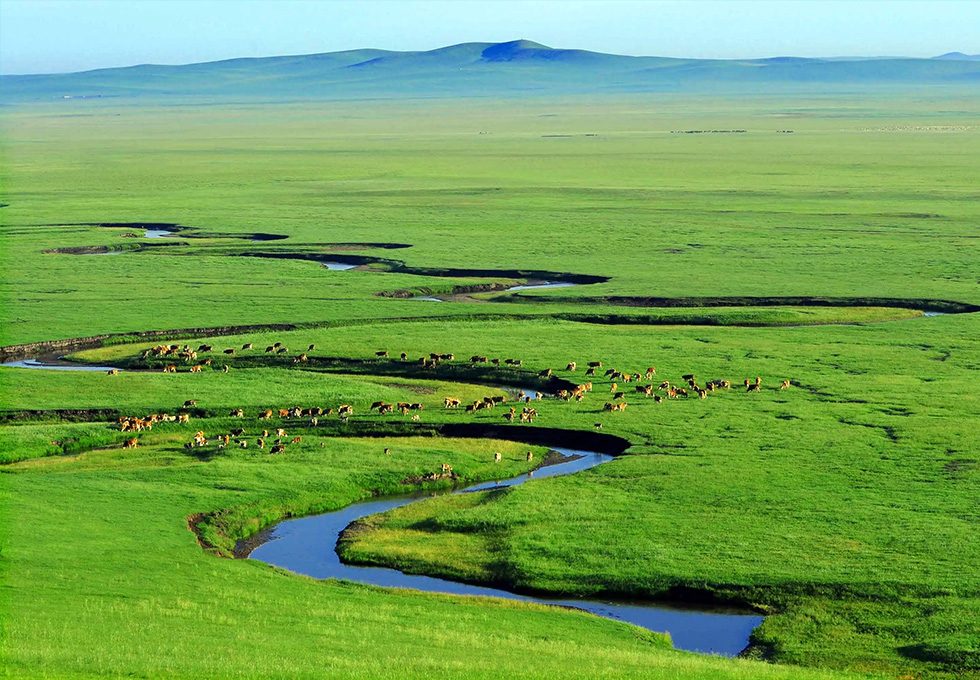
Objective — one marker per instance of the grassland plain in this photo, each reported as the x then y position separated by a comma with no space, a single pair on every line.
846,504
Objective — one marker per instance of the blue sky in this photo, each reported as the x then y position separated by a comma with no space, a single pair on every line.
52,36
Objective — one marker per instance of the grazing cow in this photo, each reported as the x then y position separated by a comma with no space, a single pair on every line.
265,433
608,407
471,408
538,396
247,345
296,440
284,413
265,415
316,411
612,388
311,348
703,394
597,426
270,349
754,387
314,421
282,350
206,362
195,369
131,443
112,371
509,417
171,368
237,413
546,373
571,366
205,348
383,354
277,345
495,362
679,391
243,444
280,432
278,448
225,368
657,399
230,351
530,456
497,457
619,395
689,376
595,364
447,469
590,372
190,402
345,410
260,443
295,412
183,418
387,451
651,371
300,358
377,404
238,432
416,418
404,356
784,385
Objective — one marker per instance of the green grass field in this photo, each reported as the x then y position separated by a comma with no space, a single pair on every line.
845,506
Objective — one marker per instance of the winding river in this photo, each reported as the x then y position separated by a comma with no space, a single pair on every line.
308,546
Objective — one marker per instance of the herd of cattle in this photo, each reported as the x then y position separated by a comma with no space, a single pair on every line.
665,390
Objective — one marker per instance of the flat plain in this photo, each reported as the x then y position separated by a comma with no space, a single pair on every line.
807,248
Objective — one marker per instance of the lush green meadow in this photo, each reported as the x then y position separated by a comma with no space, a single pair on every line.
844,506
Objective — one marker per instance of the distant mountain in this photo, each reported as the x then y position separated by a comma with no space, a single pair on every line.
959,56
517,68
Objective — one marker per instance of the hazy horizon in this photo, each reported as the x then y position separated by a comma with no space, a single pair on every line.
41,36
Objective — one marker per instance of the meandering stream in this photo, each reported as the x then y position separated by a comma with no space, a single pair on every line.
308,546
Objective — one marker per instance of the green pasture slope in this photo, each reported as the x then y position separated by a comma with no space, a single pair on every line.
844,506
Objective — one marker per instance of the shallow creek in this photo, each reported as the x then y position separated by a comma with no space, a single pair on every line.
308,546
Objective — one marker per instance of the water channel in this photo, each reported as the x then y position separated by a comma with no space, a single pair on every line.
308,546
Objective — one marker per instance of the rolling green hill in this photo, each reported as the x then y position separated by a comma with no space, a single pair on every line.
513,68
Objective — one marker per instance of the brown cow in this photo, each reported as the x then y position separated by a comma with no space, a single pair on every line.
112,371
784,385
195,369
131,443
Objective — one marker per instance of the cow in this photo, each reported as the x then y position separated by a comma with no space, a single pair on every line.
265,415
296,440
195,369
619,395
613,387
225,368
571,366
657,399
237,432
383,354
590,372
131,443
205,348
597,426
112,371
314,421
595,364
278,448
243,443
183,418
190,402
387,451
247,345
237,413
497,457
689,376
280,432
311,348
270,349
171,368
546,373
651,371
754,387
530,456
282,350
301,358
230,351
260,443
447,469
784,385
